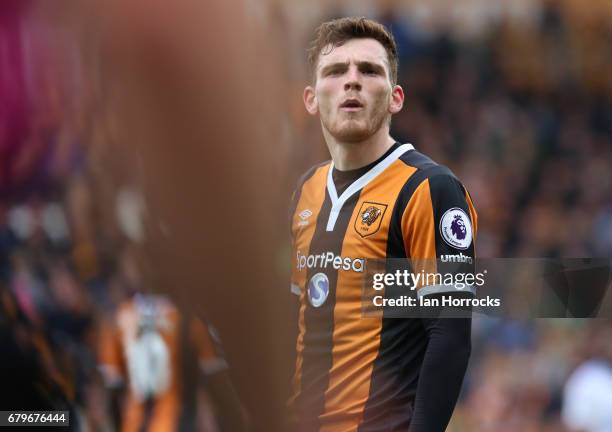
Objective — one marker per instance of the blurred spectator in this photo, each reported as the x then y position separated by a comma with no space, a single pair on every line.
31,374
587,401
162,360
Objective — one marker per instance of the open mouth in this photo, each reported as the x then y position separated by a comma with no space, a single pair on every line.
351,105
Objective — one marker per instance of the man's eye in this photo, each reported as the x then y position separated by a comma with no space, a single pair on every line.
370,72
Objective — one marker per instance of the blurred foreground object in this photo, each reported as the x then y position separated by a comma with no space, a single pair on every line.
188,113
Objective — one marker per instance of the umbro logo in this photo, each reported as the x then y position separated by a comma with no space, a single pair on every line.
304,215
457,258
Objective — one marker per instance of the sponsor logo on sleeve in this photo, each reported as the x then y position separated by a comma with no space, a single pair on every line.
456,228
457,258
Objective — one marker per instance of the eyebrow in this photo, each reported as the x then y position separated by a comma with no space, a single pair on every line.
362,65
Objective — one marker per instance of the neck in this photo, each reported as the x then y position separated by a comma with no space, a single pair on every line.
353,155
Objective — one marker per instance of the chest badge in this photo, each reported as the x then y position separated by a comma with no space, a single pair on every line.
369,218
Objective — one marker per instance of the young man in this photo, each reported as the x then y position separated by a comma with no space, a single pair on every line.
375,199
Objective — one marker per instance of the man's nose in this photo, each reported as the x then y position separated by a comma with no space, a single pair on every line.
353,81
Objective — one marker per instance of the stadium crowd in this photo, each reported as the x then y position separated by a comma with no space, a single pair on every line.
521,111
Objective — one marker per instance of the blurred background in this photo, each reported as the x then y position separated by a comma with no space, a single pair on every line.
149,147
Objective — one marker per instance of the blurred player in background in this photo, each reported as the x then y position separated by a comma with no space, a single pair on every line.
156,362
376,199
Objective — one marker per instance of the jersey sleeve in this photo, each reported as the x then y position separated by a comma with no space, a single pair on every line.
294,287
439,227
208,347
304,221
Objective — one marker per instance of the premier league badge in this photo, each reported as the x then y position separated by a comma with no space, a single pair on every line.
456,228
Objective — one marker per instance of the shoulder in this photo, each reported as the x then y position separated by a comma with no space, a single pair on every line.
297,192
311,172
438,177
308,175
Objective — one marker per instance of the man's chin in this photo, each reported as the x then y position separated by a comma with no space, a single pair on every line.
352,134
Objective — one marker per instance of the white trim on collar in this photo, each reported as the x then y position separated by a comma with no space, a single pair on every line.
360,183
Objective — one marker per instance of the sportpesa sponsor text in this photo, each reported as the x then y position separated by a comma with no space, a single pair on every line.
329,259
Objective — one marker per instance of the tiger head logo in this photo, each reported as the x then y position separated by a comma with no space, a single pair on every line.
370,215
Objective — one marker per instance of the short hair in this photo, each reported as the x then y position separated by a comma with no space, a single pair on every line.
336,32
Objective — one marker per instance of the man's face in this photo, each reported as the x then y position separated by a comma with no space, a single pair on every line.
353,94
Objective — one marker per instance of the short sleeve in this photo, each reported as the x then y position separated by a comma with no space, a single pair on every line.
295,287
439,229
306,201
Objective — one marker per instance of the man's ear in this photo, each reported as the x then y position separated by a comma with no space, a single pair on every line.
397,99
310,101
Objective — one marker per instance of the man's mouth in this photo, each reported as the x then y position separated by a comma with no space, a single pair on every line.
351,105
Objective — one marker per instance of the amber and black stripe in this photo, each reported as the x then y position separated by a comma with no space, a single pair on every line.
354,373
403,341
319,322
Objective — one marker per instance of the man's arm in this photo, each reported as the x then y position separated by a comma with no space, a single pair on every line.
230,414
440,221
442,372
111,368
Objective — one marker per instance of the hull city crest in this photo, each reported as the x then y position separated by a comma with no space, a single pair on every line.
369,218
